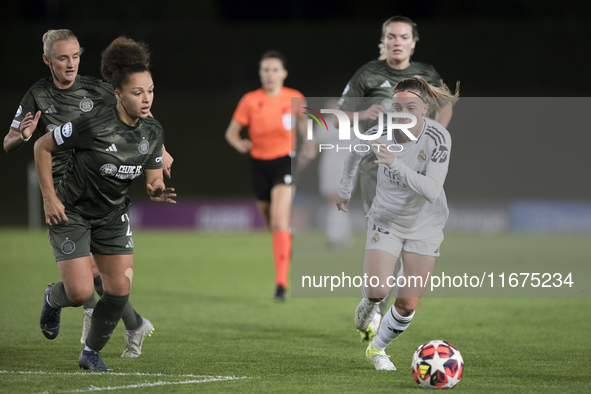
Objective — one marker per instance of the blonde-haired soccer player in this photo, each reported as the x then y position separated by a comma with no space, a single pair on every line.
408,213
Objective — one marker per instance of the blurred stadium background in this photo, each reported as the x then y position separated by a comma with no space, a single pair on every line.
209,294
205,57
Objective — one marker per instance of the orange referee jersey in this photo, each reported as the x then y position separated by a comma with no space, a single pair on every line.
271,125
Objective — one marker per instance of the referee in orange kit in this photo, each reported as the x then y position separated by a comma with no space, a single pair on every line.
267,112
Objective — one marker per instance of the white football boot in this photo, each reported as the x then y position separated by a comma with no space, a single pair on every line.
135,338
379,359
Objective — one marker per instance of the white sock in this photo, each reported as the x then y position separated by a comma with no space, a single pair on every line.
391,327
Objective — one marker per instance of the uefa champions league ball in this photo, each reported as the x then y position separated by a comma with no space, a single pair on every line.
437,365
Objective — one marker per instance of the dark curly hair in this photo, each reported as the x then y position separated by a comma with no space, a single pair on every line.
122,58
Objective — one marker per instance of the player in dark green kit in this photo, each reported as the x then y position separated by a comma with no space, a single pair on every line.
369,93
54,101
89,210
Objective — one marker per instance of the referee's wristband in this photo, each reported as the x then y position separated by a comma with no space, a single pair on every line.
25,139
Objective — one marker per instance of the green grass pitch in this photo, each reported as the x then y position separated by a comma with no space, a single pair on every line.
209,298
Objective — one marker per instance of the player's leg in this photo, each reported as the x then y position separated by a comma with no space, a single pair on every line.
265,210
90,303
71,248
261,185
378,264
137,327
368,181
398,271
382,250
117,274
74,288
399,316
280,210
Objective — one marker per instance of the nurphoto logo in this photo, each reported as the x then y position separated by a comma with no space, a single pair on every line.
345,129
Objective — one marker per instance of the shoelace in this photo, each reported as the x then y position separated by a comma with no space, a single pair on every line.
96,360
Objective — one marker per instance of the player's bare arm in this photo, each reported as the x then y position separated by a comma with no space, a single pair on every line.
54,209
166,162
166,157
14,140
242,145
156,189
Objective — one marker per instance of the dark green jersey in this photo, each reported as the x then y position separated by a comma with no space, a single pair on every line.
107,155
58,106
373,84
377,80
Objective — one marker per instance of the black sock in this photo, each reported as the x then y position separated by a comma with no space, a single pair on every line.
58,297
98,285
131,318
90,303
105,317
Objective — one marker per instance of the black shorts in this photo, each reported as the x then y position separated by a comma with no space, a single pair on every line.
268,173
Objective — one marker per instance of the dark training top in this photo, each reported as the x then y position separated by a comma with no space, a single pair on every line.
375,82
108,155
86,96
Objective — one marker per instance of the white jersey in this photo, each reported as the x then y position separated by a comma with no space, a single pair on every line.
410,200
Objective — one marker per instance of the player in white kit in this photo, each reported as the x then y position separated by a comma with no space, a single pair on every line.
408,213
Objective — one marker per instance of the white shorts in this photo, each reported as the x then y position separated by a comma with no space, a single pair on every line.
383,239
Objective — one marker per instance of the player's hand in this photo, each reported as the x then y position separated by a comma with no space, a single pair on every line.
243,146
55,213
342,203
371,113
385,156
29,124
161,193
166,162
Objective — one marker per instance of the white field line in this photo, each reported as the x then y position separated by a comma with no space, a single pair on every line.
159,383
201,379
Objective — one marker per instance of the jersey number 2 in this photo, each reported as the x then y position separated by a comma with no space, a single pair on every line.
125,217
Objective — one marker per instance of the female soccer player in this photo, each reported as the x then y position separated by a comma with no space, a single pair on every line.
89,210
268,114
409,212
56,100
374,81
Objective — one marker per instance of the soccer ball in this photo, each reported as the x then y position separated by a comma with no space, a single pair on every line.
437,365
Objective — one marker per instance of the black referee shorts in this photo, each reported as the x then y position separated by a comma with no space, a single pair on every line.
266,174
